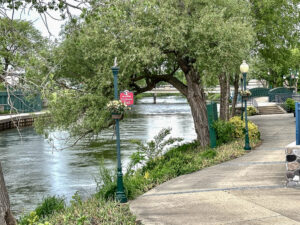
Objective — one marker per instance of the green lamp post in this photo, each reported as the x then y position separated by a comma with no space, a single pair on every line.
120,195
244,70
242,110
296,81
290,80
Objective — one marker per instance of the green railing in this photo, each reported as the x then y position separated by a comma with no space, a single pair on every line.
259,92
279,91
19,102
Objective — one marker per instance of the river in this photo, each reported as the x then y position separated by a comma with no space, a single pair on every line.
33,169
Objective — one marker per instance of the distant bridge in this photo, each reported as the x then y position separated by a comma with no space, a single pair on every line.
169,89
163,89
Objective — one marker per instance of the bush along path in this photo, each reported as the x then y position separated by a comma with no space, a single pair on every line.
150,166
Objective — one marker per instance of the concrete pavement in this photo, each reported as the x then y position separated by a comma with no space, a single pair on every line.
247,190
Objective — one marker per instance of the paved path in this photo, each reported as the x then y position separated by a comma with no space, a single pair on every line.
247,190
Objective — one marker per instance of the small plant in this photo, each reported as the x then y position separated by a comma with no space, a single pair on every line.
106,183
251,111
116,107
239,128
224,131
245,93
2,86
49,206
290,105
152,149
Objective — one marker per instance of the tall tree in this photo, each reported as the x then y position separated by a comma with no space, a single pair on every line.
276,24
152,40
19,40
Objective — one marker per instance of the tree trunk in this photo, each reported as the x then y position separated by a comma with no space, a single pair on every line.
224,103
236,92
228,96
6,217
196,99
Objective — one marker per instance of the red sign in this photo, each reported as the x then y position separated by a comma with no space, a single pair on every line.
126,97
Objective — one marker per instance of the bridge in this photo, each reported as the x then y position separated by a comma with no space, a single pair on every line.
169,89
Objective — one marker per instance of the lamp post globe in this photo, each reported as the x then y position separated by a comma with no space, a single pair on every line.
244,68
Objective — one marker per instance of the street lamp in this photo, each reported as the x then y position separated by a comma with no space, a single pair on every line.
244,70
120,195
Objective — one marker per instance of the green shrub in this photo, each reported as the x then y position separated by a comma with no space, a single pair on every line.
290,105
251,111
214,96
239,128
2,87
49,206
106,184
224,131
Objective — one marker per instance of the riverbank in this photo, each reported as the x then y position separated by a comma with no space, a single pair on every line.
184,159
18,120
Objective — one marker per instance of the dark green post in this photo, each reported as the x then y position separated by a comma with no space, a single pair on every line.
212,115
242,111
120,195
247,146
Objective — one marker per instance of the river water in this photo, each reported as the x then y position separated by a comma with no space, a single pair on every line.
33,169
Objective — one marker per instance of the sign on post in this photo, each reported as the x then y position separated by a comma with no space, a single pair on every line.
127,97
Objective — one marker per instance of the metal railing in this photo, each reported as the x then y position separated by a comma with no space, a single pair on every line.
282,97
296,97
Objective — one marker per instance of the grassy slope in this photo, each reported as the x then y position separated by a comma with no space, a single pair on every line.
180,160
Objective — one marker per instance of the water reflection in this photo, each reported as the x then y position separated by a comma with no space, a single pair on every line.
33,169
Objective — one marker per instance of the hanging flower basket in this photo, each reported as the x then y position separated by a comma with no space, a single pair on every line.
245,94
116,108
116,116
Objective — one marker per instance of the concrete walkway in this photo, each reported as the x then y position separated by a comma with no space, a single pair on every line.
247,190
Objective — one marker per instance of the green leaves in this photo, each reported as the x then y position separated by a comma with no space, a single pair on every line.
276,26
153,40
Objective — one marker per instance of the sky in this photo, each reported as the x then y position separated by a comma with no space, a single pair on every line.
54,25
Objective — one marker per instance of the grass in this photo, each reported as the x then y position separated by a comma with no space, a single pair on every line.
102,209
94,211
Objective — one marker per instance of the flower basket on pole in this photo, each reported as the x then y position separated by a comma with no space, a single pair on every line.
245,95
116,108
